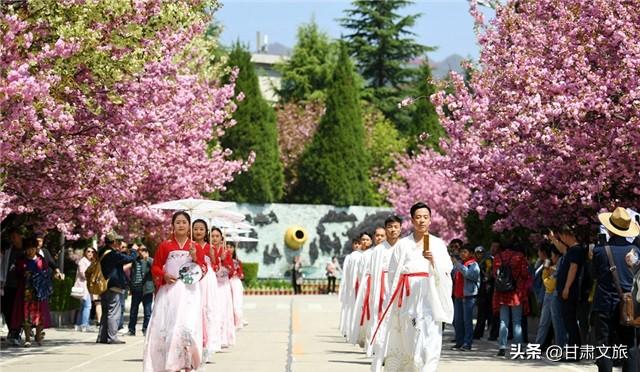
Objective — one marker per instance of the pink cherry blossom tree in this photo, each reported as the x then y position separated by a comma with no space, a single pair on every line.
422,178
106,109
547,129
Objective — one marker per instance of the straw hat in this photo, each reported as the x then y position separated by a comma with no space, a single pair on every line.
619,223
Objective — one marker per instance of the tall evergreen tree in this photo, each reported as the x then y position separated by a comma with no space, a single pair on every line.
255,131
334,168
382,42
307,74
424,118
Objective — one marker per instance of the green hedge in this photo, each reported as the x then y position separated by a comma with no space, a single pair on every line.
61,299
274,283
250,273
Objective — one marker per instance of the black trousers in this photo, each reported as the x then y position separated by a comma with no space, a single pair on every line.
608,331
297,288
8,299
331,284
584,312
569,309
485,316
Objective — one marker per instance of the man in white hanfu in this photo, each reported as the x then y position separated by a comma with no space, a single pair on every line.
347,290
380,290
420,301
356,334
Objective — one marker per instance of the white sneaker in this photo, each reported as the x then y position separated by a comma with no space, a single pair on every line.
77,328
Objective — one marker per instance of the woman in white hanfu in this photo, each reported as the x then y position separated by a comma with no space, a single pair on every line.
223,267
420,275
208,286
237,289
174,336
362,315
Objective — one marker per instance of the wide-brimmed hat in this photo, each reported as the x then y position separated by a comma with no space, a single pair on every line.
620,223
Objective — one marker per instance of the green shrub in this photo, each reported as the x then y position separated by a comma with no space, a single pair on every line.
273,283
61,299
250,273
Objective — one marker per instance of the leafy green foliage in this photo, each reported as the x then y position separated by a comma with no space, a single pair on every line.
383,45
250,270
334,168
61,299
424,118
255,131
384,145
306,75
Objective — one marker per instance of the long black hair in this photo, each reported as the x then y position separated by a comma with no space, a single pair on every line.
365,233
180,213
218,230
206,228
234,256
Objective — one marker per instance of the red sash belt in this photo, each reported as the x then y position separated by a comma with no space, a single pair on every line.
383,278
403,286
357,286
365,305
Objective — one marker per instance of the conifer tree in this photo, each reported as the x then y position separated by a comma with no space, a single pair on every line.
255,131
306,75
382,43
424,118
334,168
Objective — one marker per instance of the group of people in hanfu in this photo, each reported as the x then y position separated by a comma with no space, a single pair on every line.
198,306
396,294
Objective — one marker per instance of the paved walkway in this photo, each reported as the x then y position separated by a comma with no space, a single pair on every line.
284,334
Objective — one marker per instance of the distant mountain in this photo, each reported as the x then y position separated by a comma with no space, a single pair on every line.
451,63
440,69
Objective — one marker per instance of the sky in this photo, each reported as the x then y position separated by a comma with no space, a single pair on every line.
445,24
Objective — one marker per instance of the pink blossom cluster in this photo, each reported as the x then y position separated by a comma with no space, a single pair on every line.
547,131
84,157
422,178
297,123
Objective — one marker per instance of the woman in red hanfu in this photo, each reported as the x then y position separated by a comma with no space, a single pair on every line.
208,288
174,335
223,266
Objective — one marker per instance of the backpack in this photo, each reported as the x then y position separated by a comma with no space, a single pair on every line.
504,278
97,284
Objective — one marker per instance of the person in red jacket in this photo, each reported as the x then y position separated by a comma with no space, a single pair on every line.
174,335
511,305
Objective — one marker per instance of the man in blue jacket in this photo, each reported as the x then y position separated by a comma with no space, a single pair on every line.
112,260
466,282
606,304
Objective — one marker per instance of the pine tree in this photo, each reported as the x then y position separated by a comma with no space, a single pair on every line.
382,44
307,73
334,168
424,118
255,131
